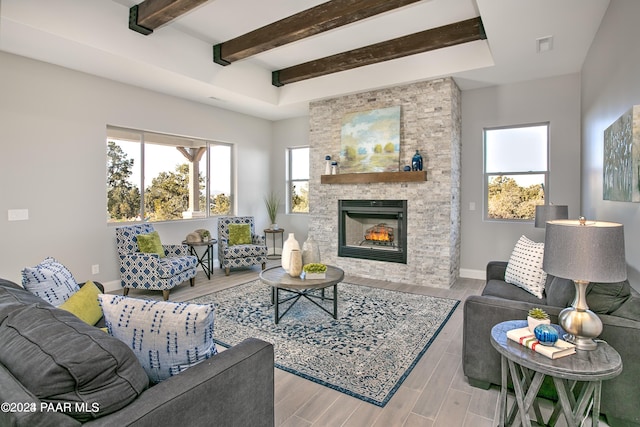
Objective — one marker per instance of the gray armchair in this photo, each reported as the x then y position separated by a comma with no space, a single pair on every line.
252,251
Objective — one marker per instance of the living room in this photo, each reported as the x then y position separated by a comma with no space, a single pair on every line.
53,124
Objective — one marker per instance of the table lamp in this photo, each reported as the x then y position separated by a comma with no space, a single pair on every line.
584,251
546,213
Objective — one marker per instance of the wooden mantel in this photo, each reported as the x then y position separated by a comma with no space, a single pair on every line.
369,178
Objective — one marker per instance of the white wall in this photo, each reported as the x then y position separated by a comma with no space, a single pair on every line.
556,100
286,134
610,86
53,163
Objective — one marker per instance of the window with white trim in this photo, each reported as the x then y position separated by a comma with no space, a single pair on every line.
516,171
159,177
298,180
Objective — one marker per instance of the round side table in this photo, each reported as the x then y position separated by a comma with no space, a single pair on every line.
274,233
585,369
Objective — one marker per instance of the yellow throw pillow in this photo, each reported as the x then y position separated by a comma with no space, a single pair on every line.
84,304
239,234
150,243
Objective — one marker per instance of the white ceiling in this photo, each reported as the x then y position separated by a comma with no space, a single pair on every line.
93,36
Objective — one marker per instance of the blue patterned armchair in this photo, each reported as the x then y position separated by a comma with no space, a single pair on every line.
149,271
240,255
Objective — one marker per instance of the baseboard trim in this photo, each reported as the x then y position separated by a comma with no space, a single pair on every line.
473,274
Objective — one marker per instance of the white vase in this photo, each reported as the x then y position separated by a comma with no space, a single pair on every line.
295,263
287,246
310,251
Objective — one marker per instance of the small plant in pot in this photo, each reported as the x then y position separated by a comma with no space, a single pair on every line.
205,235
271,202
537,316
315,270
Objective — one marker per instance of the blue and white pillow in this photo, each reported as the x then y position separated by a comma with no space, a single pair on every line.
51,281
167,337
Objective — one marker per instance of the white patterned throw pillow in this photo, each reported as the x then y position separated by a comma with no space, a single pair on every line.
167,337
51,281
525,267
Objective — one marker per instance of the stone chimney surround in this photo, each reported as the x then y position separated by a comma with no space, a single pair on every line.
430,121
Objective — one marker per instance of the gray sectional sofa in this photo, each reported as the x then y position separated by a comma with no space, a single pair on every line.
56,370
617,305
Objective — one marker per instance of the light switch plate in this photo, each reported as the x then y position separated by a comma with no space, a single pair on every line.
18,214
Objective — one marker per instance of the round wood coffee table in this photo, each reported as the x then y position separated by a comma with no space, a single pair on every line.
295,288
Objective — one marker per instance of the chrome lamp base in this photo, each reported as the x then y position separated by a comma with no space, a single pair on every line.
581,324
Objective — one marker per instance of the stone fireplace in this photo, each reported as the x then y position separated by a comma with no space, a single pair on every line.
430,122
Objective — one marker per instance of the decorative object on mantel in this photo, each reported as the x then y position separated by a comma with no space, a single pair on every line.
295,263
288,245
621,163
370,141
584,251
416,162
310,251
327,168
334,168
537,316
271,202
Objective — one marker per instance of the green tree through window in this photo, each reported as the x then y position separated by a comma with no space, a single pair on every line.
123,198
165,166
516,171
298,179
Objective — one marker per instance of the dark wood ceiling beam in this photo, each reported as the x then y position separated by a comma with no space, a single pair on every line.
435,38
151,14
324,17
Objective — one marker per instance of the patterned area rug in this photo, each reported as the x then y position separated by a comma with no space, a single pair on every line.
367,352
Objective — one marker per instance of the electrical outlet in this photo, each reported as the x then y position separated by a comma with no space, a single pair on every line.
95,269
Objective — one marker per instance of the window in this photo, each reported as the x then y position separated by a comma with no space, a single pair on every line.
298,179
180,177
515,171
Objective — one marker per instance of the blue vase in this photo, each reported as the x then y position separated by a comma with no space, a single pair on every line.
416,162
546,334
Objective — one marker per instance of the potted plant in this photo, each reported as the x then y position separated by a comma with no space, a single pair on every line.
271,202
537,316
205,235
315,270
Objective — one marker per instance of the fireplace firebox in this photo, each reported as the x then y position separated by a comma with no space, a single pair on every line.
373,229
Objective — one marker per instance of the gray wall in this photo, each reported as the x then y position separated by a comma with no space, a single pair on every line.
556,100
287,134
52,134
610,86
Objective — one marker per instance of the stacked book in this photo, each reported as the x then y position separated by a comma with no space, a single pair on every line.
526,338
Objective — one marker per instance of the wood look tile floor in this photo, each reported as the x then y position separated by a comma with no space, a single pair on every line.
435,394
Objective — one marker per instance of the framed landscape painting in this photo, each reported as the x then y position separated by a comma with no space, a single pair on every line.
621,164
370,141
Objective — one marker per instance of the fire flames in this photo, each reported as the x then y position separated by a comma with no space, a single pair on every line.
379,233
